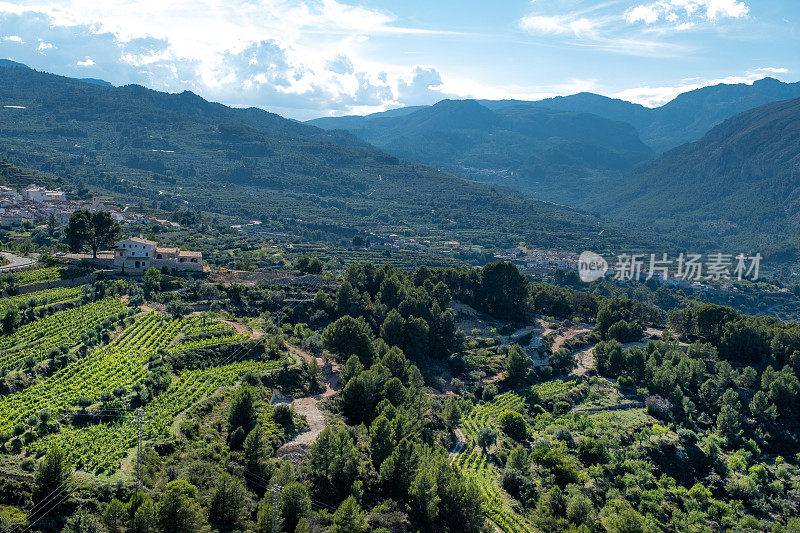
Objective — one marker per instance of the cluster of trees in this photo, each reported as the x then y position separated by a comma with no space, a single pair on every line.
384,395
95,230
739,338
308,265
704,390
616,318
406,310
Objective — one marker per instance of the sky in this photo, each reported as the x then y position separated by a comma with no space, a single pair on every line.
309,58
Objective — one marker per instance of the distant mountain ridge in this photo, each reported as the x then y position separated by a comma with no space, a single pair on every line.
560,156
738,185
173,151
684,119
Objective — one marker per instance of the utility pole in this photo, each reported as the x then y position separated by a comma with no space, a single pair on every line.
275,490
139,422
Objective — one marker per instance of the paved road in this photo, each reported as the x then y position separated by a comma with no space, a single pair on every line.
16,261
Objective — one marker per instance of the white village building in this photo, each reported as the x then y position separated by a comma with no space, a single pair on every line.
33,193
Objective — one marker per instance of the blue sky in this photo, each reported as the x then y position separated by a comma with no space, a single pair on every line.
312,58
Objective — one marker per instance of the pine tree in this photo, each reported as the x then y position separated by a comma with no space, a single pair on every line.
516,364
381,441
227,502
52,475
349,518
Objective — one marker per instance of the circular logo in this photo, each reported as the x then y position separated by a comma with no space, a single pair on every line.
591,267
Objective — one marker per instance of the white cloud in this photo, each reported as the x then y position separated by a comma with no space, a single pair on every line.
544,24
557,24
646,14
601,25
717,9
286,54
13,39
772,70
684,14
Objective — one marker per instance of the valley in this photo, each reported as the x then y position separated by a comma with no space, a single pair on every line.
216,319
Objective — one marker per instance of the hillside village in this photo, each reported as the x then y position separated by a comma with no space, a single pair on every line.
38,205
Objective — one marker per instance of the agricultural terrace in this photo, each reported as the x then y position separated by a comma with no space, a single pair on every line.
34,341
100,448
119,366
46,274
37,299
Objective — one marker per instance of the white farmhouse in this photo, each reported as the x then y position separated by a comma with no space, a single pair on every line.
135,255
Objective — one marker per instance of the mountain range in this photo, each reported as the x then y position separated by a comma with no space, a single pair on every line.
738,185
173,151
560,156
684,119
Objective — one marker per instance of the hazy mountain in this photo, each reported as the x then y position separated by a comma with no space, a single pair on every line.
686,118
740,183
356,121
7,63
556,155
176,150
96,81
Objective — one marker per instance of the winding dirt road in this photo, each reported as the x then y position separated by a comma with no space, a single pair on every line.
296,450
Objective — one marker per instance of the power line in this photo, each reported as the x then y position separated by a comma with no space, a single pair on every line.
275,490
140,420
258,479
53,495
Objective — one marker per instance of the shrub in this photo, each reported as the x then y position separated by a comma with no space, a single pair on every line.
513,425
687,437
658,407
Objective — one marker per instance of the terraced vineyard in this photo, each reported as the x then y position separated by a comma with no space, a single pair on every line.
120,364
482,415
48,296
56,273
63,328
475,465
224,337
100,448
194,385
196,327
548,389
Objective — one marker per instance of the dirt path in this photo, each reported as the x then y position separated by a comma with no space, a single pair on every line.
296,449
569,334
584,361
241,328
458,447
332,381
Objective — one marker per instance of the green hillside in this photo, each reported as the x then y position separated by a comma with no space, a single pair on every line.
739,184
174,151
554,155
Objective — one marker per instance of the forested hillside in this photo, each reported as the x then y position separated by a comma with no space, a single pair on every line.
389,400
740,183
167,150
557,156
